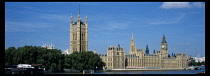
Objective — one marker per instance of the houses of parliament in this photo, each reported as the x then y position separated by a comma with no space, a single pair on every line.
115,58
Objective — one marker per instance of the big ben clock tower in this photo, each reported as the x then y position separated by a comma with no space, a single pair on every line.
164,47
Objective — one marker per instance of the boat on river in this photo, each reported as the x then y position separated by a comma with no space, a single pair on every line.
24,69
202,70
195,68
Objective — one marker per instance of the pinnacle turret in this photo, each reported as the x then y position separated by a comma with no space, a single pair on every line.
147,49
132,45
154,51
78,17
86,18
132,39
71,18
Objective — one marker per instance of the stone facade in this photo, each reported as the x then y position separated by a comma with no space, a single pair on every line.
117,59
78,35
114,58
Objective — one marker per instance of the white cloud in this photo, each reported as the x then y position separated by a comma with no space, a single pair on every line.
198,4
169,5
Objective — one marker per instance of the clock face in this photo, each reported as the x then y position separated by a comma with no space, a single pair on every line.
162,46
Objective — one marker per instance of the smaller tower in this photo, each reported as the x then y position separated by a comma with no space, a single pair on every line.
172,54
86,21
132,45
154,51
147,50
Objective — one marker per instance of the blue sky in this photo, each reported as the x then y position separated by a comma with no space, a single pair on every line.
110,23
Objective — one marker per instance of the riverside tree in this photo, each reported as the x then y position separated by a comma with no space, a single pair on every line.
85,60
52,59
193,63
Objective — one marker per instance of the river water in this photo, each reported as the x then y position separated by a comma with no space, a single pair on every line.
141,72
154,72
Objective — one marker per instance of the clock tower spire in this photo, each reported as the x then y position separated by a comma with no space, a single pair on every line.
164,47
164,39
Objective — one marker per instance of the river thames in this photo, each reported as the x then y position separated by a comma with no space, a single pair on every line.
141,72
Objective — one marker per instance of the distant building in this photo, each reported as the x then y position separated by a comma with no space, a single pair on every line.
115,58
65,52
48,46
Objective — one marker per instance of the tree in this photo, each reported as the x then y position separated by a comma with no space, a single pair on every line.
198,63
192,63
203,63
67,63
52,59
9,55
85,60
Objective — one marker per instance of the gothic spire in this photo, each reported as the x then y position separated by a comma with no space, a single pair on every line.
78,17
132,45
132,39
86,18
147,49
71,18
79,9
172,54
154,51
164,39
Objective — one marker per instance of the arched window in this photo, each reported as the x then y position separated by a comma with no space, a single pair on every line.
76,37
73,37
83,36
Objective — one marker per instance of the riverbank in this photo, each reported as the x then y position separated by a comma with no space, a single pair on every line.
145,69
68,71
114,70
132,72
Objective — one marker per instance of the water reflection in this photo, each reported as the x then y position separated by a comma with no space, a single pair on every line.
142,72
154,72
